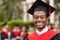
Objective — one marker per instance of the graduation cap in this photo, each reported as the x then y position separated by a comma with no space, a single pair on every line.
5,23
41,6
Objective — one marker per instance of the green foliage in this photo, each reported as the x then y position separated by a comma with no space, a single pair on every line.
28,23
57,3
7,8
58,27
1,25
18,22
13,22
30,31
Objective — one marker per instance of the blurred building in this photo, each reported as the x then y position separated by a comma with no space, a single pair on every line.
57,19
25,5
1,2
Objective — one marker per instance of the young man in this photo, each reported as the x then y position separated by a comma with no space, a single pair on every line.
40,11
15,34
4,32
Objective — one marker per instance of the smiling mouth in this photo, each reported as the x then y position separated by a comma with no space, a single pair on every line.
39,23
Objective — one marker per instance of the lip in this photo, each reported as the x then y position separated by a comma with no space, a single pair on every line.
40,23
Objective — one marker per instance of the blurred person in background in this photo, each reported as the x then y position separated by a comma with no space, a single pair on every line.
16,32
24,33
4,31
41,11
50,26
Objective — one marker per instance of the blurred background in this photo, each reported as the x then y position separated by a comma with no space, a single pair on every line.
15,12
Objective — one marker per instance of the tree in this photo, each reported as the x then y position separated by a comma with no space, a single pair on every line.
10,9
57,2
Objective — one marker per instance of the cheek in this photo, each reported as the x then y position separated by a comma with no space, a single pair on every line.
45,19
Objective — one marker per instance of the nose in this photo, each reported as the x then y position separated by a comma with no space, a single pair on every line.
39,19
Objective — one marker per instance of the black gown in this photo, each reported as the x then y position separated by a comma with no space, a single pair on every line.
56,37
4,36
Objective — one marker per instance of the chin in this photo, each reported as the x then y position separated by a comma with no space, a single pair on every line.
40,27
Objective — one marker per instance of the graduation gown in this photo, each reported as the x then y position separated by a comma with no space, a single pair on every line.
49,35
25,36
15,34
4,35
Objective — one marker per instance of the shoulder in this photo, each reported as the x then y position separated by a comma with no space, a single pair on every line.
55,35
53,32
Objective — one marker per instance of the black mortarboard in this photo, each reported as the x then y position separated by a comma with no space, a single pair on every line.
40,5
5,23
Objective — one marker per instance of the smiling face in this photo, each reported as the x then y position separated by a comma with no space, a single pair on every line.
23,29
40,19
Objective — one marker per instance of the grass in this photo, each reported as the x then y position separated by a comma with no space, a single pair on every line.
30,31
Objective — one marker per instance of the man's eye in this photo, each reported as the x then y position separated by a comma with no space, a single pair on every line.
42,17
35,17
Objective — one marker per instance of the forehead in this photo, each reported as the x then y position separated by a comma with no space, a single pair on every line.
40,13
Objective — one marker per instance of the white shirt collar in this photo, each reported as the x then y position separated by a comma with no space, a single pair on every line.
43,31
